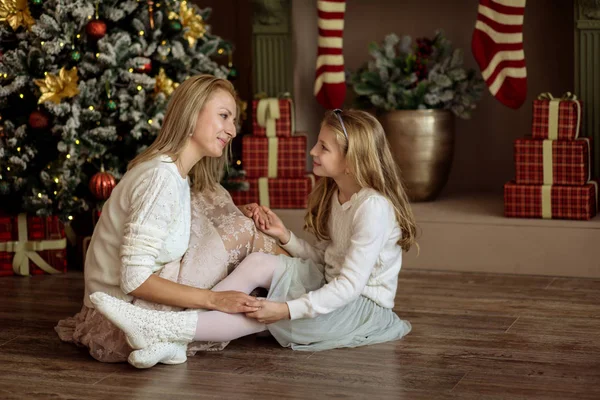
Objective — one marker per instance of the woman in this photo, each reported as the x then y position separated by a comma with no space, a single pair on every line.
338,293
144,229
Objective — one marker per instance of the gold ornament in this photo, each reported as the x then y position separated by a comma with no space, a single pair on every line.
164,84
16,12
55,88
151,13
193,24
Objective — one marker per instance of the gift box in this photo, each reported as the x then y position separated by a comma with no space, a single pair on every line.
273,117
274,157
32,245
553,162
556,118
551,201
276,192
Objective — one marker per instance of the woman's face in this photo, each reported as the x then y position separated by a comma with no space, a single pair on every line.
215,125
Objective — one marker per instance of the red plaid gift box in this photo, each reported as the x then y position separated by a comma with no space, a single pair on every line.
276,192
553,162
274,157
551,201
32,245
273,117
556,118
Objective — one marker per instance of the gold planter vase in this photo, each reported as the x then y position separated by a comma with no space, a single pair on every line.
422,142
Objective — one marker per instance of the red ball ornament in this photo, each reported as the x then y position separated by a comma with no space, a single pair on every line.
96,29
38,120
102,185
146,68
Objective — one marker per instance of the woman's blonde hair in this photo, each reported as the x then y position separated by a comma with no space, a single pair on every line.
186,102
371,163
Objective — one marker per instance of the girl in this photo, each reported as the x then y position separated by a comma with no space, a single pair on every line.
144,228
339,293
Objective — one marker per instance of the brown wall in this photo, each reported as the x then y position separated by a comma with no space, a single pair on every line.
484,156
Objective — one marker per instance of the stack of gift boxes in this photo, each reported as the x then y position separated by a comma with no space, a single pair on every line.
553,167
274,158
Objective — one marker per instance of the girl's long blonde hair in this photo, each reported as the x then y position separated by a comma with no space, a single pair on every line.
372,164
186,102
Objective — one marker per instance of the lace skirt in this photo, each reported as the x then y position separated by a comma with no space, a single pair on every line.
89,328
221,237
360,323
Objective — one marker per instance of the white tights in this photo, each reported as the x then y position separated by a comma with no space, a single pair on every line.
256,270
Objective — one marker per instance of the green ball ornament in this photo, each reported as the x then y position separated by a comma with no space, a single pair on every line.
111,105
233,74
175,26
75,55
37,2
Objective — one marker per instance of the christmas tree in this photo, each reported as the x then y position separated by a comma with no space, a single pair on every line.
84,87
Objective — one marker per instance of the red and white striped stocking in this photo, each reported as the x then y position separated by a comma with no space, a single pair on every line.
330,81
497,45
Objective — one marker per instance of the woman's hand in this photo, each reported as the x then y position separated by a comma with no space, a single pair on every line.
270,311
233,302
248,209
268,222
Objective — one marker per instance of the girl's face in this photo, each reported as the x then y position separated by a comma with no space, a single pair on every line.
328,159
215,125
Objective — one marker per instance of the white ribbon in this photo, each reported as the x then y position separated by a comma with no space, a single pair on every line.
26,250
272,155
546,201
267,112
554,106
547,162
263,192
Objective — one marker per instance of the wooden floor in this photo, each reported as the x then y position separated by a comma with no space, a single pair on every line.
474,336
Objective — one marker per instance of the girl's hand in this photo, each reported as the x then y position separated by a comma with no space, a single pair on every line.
270,311
268,222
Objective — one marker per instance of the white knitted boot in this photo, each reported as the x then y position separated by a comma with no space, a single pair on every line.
144,327
163,352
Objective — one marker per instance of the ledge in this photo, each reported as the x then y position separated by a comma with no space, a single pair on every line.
470,233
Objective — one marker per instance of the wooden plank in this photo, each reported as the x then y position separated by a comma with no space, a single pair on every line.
475,336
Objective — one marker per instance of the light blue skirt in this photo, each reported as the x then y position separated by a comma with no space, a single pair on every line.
359,323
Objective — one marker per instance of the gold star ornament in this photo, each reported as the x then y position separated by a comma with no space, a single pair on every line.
16,13
55,88
193,24
164,84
